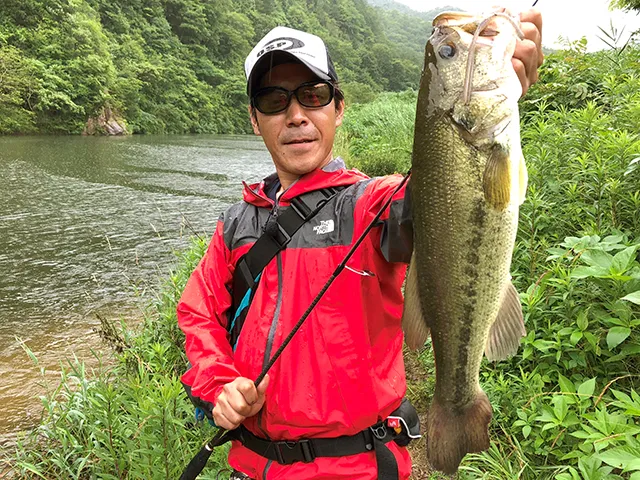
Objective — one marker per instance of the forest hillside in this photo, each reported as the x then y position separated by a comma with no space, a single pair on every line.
176,66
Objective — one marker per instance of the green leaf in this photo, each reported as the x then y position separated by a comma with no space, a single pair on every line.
589,467
633,297
585,272
613,239
575,338
623,260
597,258
560,407
587,388
617,457
566,385
582,321
616,336
526,431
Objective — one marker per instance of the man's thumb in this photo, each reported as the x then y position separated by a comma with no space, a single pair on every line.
263,386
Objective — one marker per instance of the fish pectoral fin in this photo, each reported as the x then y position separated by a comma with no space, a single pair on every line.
508,328
524,180
497,178
414,325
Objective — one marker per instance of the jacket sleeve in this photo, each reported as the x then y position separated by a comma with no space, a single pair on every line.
202,316
396,239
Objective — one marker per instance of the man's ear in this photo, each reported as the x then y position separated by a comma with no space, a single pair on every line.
339,113
254,120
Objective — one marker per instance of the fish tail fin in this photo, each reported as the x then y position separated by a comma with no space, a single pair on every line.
452,434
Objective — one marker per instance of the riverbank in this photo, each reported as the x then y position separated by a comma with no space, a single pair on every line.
87,230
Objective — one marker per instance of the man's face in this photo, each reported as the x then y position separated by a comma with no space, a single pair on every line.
299,139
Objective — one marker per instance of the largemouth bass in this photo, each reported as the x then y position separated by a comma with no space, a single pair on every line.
468,181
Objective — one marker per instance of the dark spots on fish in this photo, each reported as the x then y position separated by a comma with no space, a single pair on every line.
478,220
479,214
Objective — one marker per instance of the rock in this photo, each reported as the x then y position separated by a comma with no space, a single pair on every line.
105,123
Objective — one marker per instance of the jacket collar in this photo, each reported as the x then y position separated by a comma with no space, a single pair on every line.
334,174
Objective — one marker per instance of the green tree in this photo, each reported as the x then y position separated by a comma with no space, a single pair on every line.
626,4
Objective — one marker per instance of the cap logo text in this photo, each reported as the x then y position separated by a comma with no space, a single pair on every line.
282,43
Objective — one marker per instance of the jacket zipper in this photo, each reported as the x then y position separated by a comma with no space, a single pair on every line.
266,469
272,332
276,315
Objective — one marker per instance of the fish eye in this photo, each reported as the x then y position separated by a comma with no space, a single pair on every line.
447,51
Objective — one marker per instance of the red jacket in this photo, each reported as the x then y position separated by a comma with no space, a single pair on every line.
343,371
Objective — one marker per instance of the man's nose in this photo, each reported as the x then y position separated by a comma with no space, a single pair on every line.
296,114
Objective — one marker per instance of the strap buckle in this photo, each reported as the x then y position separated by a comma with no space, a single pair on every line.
379,431
291,452
283,232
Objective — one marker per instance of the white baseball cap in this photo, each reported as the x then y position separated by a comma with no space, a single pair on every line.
282,44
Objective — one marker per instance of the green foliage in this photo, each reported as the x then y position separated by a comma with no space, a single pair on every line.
172,66
18,83
626,4
377,137
128,420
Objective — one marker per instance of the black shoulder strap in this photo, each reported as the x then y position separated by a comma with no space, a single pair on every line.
275,239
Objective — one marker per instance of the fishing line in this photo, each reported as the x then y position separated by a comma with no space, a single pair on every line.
197,464
466,93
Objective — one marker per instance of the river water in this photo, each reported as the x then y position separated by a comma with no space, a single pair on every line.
88,227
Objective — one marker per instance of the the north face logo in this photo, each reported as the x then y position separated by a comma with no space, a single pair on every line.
326,226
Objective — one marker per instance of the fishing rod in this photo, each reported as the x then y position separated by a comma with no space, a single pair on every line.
197,464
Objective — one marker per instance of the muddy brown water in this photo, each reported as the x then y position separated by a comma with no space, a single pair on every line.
88,227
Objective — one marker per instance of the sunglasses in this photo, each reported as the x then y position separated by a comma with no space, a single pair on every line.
272,100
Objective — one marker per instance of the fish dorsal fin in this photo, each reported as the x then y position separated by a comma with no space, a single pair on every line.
497,178
414,325
508,328
524,180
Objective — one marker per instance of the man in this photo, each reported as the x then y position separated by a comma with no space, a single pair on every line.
343,372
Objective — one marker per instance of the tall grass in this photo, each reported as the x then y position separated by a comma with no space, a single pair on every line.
130,420
377,137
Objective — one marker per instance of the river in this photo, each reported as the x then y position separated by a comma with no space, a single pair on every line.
89,227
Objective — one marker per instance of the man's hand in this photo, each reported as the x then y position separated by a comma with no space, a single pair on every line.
239,399
528,55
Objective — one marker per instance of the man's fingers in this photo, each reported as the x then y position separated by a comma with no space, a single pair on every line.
222,421
248,390
228,412
531,24
527,52
533,15
528,55
237,400
518,66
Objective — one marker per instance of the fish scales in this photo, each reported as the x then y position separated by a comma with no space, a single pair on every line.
467,182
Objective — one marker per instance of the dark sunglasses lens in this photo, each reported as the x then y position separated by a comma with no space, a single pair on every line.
271,101
318,95
275,100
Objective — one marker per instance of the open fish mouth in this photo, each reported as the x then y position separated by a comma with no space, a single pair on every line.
484,31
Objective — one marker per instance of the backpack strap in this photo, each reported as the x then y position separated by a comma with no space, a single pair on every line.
277,235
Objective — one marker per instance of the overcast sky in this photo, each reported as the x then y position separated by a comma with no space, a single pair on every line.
569,18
